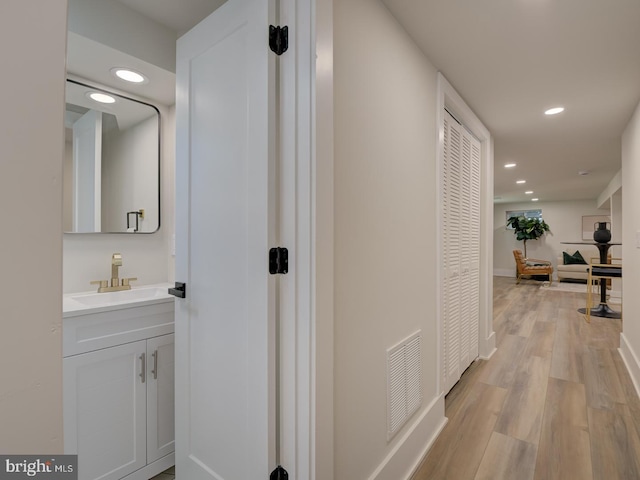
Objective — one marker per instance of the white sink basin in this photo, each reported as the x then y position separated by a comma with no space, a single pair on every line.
109,298
92,300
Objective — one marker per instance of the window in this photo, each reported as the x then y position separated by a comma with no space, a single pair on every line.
523,213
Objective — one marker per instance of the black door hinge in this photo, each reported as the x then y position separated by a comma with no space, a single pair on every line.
278,39
278,260
180,290
279,474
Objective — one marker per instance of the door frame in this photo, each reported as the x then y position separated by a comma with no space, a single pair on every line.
449,98
296,215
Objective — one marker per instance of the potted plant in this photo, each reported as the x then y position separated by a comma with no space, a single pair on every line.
527,229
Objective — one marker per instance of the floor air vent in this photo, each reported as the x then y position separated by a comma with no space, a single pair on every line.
404,382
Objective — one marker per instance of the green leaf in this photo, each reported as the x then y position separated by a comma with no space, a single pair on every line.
527,228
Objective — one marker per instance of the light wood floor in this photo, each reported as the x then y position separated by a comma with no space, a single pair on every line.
554,402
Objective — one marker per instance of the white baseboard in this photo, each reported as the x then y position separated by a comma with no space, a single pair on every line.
488,347
504,272
407,455
631,361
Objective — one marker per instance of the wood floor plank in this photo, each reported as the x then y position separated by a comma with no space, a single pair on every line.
577,300
603,386
601,333
507,458
590,424
547,308
631,397
523,326
521,415
516,319
501,370
499,306
464,437
566,360
541,340
456,398
614,444
564,451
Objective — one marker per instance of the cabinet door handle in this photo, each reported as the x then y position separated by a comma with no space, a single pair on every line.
143,373
155,365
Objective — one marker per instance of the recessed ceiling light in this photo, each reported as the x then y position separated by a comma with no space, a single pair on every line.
101,97
129,75
554,111
583,172
521,181
528,192
534,199
509,165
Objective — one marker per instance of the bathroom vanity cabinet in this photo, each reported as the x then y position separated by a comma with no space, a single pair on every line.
118,388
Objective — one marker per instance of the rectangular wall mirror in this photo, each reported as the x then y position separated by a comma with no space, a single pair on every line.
112,163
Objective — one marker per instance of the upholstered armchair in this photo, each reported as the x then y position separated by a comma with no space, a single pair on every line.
532,266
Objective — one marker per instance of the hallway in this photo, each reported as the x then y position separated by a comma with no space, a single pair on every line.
554,402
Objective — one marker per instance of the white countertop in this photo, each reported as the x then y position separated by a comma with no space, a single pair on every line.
84,303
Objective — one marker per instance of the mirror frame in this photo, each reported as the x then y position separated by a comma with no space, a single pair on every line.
159,185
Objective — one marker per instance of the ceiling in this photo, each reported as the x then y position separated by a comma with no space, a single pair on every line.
179,16
91,60
510,61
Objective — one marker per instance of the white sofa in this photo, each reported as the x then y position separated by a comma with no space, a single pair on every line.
575,271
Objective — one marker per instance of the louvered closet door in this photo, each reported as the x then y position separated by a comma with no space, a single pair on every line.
451,241
474,253
460,233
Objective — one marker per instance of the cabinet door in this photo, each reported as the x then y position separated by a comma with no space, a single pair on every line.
160,397
104,411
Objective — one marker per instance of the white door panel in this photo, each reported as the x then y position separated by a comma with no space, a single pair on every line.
225,368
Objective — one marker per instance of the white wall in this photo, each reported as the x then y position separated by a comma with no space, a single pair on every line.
67,193
565,221
167,188
118,26
610,190
616,233
324,244
384,180
616,217
630,338
130,177
148,257
33,34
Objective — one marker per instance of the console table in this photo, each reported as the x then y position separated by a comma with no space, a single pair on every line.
602,310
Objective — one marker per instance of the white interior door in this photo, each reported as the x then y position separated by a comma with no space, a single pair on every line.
451,239
225,340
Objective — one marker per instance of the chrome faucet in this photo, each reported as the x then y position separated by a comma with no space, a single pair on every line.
116,284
